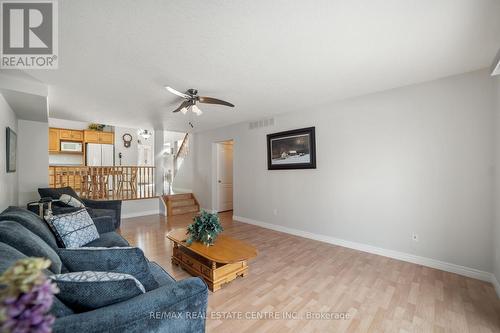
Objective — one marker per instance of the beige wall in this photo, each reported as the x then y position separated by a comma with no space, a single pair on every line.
416,159
33,160
8,181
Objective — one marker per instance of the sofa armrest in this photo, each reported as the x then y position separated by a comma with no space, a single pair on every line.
177,307
115,205
104,224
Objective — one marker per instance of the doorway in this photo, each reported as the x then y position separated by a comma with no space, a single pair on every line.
224,176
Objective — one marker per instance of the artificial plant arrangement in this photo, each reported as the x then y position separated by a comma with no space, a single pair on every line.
96,127
26,297
205,228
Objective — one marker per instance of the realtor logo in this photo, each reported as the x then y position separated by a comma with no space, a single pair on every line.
29,34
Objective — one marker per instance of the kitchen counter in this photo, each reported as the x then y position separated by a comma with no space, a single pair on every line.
66,165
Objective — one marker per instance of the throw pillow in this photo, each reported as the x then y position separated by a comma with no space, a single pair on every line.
26,242
87,290
71,201
128,260
73,229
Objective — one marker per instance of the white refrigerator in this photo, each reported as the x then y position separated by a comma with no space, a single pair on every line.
100,155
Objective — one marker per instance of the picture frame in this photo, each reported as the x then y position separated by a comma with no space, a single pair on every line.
11,151
295,149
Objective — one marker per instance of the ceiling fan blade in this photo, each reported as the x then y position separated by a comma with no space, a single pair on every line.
210,100
184,104
178,93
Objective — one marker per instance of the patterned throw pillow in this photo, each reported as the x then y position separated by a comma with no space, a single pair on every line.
87,290
74,229
70,201
128,260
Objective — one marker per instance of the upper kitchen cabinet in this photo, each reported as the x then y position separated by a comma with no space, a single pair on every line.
91,136
53,140
99,137
73,135
107,138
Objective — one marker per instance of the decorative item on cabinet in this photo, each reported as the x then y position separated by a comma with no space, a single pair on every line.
96,127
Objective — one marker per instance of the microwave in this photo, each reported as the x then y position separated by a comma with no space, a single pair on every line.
74,147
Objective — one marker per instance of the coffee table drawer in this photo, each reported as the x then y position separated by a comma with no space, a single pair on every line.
191,262
206,271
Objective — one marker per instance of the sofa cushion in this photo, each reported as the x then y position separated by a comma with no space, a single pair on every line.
104,224
8,256
55,193
128,260
32,222
87,290
26,242
160,275
100,212
108,239
74,229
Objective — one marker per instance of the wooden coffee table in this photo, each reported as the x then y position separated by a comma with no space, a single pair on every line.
217,264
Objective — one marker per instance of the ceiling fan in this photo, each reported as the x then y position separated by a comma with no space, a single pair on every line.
191,99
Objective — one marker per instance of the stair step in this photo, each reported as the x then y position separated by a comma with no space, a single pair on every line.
182,203
185,209
182,196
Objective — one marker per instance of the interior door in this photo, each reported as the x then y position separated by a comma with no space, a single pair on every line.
225,176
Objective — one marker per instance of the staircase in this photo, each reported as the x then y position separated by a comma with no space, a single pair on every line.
182,203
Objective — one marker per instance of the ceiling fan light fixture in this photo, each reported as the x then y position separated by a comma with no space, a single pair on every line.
191,98
196,110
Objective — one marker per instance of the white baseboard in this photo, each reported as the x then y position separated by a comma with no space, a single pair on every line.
433,263
143,213
495,284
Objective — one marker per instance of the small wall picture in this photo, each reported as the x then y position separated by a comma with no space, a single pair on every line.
294,149
11,150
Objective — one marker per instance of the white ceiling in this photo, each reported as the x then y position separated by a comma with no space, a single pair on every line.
267,57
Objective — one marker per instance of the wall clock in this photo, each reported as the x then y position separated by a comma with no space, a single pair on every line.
127,139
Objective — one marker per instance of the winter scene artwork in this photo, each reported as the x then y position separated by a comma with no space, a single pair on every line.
294,149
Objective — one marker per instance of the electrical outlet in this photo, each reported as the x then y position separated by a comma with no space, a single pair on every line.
414,237
275,212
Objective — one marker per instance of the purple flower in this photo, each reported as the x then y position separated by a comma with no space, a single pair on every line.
26,313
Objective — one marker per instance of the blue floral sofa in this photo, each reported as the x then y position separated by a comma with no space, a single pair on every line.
171,306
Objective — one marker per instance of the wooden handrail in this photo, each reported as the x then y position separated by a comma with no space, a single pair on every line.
106,183
180,151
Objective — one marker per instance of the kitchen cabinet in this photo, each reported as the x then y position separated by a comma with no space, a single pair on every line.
77,135
91,136
73,135
99,137
106,138
53,140
56,135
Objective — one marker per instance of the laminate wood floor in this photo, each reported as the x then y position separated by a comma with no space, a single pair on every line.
303,279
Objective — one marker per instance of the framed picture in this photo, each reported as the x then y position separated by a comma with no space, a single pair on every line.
292,149
11,150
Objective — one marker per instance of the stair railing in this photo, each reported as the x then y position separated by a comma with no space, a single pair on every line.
181,154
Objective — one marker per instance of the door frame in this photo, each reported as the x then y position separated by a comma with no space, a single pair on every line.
215,168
